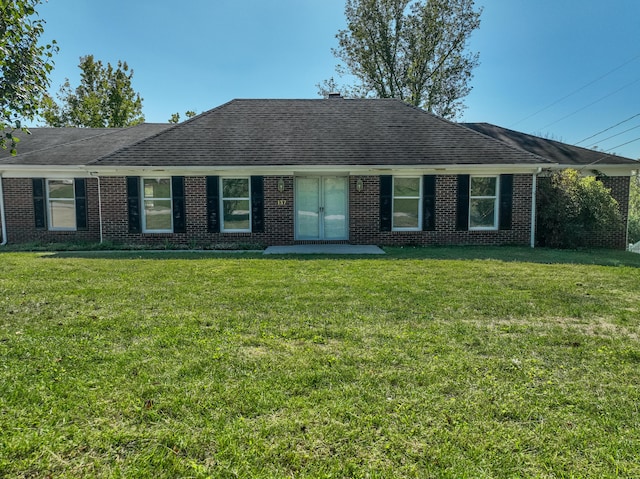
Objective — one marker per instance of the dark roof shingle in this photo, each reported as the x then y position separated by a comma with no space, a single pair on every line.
332,132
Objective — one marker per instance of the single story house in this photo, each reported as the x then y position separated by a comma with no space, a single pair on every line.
279,172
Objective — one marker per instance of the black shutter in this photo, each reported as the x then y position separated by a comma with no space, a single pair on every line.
133,203
429,203
257,204
506,202
39,203
386,200
213,204
80,190
462,216
177,197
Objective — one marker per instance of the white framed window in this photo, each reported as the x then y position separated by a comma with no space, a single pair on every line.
61,205
157,214
235,203
407,207
483,203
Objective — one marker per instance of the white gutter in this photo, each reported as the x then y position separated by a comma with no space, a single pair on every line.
3,222
534,191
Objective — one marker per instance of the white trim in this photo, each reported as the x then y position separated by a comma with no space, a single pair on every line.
143,199
222,199
3,223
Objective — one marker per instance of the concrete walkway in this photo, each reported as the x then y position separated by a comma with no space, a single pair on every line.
324,249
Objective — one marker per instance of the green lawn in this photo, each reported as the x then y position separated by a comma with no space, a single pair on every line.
442,362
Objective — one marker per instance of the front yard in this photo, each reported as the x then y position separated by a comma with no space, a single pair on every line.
416,364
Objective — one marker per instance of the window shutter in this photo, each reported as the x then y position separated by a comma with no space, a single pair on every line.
257,204
39,203
462,217
429,203
80,190
506,202
213,204
386,200
133,203
177,197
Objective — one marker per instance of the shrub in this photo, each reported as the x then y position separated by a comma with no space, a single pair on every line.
572,207
634,210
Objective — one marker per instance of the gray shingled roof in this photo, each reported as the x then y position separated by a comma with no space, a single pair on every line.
332,132
74,146
555,151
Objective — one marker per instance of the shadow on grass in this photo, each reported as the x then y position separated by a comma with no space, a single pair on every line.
602,257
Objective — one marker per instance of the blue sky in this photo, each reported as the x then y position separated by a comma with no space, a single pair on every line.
565,69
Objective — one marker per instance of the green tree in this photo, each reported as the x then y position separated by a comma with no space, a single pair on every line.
407,49
24,67
634,210
104,98
175,117
571,208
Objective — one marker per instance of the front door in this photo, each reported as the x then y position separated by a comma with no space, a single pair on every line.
321,208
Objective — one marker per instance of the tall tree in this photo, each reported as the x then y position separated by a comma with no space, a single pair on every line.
24,66
175,117
414,50
104,98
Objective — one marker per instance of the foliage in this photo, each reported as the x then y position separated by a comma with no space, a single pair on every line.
570,208
634,210
407,49
104,98
175,117
24,67
346,367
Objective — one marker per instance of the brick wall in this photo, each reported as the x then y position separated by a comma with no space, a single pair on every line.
364,210
18,202
365,222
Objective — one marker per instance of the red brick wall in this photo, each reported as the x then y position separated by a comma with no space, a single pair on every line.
18,202
364,210
365,223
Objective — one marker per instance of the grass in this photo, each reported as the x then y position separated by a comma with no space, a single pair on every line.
417,364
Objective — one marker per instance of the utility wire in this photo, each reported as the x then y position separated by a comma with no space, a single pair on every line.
591,104
613,136
607,129
623,144
576,91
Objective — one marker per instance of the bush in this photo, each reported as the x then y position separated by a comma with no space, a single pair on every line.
571,208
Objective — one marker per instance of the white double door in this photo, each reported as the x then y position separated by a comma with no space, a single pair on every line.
322,208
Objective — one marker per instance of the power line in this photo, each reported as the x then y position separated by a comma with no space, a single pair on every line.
613,136
607,129
577,90
623,144
591,104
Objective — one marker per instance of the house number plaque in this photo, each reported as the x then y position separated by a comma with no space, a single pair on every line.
282,202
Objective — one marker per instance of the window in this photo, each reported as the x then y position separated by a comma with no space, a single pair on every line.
156,205
407,215
483,203
236,205
61,205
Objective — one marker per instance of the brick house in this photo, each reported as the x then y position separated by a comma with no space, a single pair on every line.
277,172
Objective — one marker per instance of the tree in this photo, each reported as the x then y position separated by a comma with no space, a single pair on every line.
634,210
175,117
24,67
571,208
408,49
104,98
